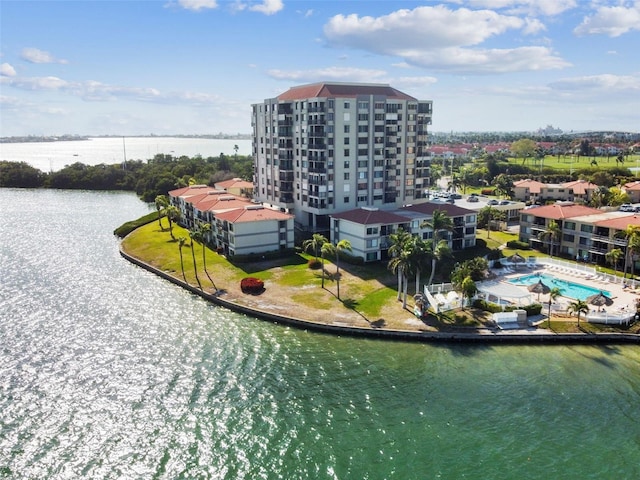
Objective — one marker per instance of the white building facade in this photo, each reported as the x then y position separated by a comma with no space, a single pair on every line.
330,147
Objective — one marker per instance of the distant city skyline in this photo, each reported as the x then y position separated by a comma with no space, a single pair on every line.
181,67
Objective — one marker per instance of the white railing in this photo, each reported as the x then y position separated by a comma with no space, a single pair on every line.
597,275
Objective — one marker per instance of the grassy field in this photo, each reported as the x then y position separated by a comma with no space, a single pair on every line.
367,291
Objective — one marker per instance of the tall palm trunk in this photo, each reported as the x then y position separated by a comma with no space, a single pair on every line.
195,265
433,271
204,264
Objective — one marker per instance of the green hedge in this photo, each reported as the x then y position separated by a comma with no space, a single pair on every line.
518,245
533,309
126,228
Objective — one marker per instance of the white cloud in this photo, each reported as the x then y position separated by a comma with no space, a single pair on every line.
529,7
35,55
7,70
442,39
93,91
329,74
197,5
611,21
605,83
268,7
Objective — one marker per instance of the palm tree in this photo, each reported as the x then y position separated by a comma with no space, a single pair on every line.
314,244
173,215
579,306
469,289
551,234
401,264
204,229
440,222
194,234
421,254
632,235
342,246
399,244
613,257
554,293
440,251
326,249
181,243
161,203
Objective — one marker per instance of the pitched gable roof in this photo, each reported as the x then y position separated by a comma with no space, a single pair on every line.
533,185
559,211
252,214
580,187
347,90
370,216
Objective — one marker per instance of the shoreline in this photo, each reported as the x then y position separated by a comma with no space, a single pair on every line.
483,336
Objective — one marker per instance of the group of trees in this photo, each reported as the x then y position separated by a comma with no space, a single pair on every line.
318,243
411,255
147,178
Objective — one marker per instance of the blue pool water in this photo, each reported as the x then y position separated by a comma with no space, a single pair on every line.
567,289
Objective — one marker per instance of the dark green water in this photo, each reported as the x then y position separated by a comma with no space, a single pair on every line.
107,371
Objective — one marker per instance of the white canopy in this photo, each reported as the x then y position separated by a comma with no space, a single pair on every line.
504,291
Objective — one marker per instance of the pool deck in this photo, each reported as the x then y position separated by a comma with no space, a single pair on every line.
624,299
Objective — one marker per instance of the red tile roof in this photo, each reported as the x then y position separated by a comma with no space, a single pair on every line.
347,90
252,214
365,216
632,185
234,183
620,223
580,187
559,211
533,185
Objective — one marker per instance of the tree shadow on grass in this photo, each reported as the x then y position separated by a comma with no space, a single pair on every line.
261,264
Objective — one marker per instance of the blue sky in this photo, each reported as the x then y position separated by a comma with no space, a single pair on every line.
196,66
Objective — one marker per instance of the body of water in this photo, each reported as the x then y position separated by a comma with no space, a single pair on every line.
109,372
53,156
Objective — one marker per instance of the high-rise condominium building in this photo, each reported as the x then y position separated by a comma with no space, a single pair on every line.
326,148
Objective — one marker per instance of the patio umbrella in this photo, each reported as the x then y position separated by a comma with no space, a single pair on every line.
538,288
599,300
516,258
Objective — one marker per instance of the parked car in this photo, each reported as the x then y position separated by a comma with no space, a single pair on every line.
505,202
457,196
626,207
472,198
492,202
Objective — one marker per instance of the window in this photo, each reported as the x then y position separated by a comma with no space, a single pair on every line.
372,243
347,128
372,230
570,225
345,199
347,105
346,152
372,256
346,164
346,175
346,140
363,105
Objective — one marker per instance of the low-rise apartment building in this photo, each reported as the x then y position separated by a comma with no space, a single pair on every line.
238,225
368,228
534,191
586,233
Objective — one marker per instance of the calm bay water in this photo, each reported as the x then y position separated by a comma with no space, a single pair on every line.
108,372
53,156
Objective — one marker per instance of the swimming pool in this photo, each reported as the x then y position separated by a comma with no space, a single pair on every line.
567,289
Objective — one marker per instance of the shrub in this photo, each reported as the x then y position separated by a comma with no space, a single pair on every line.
251,285
518,245
487,306
314,264
533,309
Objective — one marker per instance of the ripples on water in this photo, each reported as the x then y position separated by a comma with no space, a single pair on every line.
109,372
